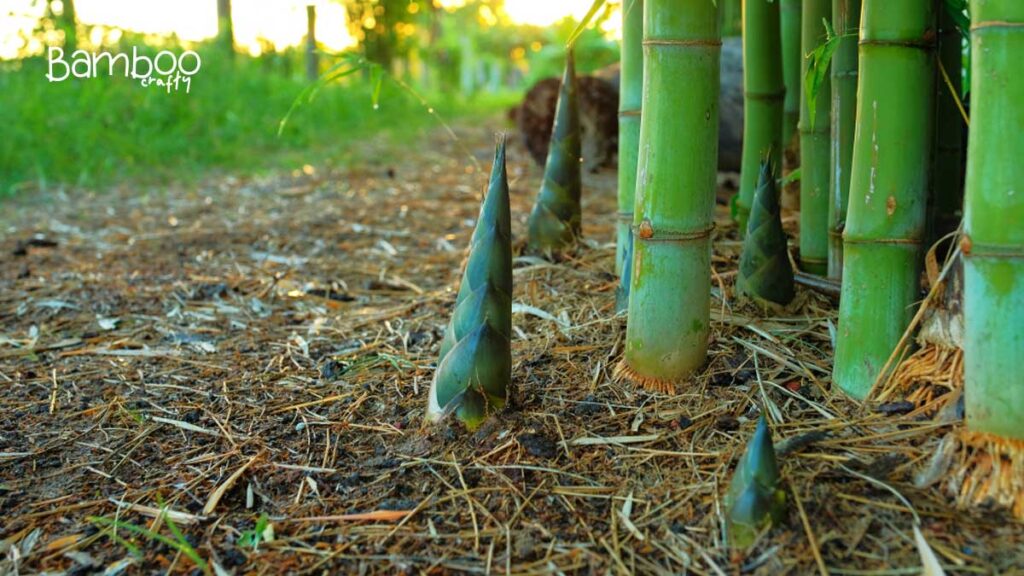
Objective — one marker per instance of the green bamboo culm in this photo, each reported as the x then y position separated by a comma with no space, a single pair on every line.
888,187
554,224
670,291
474,368
994,224
763,97
631,84
732,17
755,499
765,275
789,19
846,23
814,145
948,172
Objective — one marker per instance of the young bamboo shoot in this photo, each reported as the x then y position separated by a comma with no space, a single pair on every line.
474,368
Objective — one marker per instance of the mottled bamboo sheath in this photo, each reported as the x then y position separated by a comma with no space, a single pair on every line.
789,19
555,221
669,305
888,188
948,173
846,23
814,146
630,100
763,97
994,222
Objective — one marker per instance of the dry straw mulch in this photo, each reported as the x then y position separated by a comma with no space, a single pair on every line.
263,347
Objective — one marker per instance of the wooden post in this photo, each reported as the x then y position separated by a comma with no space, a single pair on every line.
312,58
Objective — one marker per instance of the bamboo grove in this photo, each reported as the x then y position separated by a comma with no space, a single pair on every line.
875,92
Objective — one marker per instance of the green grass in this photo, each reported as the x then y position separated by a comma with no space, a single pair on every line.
98,131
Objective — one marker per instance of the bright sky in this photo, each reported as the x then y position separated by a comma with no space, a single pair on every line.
283,22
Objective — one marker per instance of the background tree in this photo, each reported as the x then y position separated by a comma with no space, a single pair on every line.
225,27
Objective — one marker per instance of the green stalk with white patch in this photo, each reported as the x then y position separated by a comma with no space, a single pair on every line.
631,85
888,187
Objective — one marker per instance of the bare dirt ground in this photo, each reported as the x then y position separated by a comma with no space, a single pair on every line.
253,355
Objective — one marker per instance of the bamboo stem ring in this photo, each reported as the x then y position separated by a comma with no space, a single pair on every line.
683,43
645,233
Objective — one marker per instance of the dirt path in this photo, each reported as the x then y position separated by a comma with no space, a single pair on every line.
264,347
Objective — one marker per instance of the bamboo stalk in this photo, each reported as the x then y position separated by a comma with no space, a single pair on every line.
888,187
554,223
814,146
846,22
630,100
669,306
763,97
732,17
993,244
789,19
948,167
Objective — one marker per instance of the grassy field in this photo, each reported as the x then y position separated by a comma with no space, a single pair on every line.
97,131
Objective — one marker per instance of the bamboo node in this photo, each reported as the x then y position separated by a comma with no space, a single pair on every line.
645,231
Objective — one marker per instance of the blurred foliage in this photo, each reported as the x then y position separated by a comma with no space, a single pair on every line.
468,59
97,131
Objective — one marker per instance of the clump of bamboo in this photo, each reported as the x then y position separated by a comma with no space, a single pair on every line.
670,292
755,499
888,188
554,223
993,248
474,369
846,22
764,93
789,20
814,145
765,274
630,100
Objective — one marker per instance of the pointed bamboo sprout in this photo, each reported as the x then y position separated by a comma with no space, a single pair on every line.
814,146
765,274
763,97
888,187
846,22
670,292
948,169
630,100
474,368
789,16
993,242
554,223
755,499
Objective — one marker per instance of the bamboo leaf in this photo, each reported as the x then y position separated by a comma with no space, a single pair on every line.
584,23
820,58
958,11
